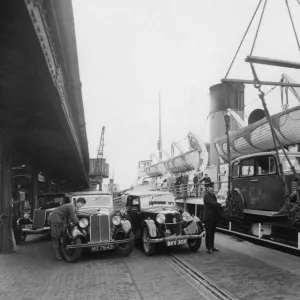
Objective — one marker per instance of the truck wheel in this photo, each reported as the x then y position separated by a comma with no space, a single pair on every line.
125,248
71,255
149,248
195,244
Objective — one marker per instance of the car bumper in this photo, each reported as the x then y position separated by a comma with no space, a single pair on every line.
90,245
177,237
35,231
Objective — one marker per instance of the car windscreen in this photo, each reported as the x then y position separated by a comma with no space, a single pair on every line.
50,200
295,161
96,200
148,201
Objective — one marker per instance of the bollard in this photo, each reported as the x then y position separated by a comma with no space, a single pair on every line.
229,226
196,210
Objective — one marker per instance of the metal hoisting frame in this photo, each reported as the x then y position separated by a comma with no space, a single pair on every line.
294,211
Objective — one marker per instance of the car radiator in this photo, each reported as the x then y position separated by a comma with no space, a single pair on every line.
39,219
99,228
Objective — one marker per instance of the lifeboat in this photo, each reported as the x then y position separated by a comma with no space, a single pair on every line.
257,137
194,159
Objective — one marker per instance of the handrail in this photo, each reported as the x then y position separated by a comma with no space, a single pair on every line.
189,190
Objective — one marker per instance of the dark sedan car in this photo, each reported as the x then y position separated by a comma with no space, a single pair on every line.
155,218
101,228
46,203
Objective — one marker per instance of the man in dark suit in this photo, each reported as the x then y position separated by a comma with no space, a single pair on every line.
211,216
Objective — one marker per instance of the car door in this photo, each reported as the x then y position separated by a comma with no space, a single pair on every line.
245,181
133,207
269,192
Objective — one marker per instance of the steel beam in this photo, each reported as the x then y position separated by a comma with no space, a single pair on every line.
272,62
246,81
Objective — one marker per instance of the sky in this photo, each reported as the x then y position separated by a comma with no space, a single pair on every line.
131,51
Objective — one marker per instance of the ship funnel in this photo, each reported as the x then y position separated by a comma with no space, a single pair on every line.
256,115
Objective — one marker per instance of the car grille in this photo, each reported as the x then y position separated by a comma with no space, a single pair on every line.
170,217
39,219
174,228
99,228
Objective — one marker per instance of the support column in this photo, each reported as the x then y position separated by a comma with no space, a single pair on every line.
6,241
33,188
47,184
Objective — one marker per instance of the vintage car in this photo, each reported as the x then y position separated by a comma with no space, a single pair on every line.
155,218
101,228
46,203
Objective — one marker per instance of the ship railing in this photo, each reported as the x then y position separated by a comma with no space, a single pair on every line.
191,190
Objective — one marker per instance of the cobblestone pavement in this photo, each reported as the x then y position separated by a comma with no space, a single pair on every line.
31,273
243,269
248,271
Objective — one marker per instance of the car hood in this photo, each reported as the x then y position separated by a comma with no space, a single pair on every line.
161,210
93,210
169,212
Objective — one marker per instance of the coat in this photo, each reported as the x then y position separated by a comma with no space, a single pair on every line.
211,207
62,212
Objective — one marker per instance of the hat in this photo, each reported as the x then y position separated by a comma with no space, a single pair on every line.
209,184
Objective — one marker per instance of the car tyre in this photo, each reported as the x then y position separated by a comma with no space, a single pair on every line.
126,248
194,244
71,255
20,237
149,248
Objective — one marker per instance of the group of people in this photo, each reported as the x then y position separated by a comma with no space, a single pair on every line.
198,181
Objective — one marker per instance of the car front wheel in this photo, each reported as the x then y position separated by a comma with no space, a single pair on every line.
149,248
74,254
125,248
194,244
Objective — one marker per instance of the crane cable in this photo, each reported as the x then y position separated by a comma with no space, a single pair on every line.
240,45
258,27
292,21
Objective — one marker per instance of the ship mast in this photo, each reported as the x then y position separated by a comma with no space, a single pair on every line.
160,140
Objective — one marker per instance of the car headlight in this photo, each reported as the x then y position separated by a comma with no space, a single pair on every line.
160,218
83,223
116,220
186,216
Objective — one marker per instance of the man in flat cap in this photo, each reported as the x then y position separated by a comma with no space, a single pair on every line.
211,215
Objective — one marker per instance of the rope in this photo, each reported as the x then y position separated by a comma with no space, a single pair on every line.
258,27
290,14
239,47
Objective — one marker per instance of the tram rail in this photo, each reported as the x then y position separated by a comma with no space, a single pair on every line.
206,287
266,242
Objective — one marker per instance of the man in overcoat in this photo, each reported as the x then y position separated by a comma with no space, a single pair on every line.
211,216
56,220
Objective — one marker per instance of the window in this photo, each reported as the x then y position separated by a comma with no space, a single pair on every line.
247,167
295,161
266,165
235,170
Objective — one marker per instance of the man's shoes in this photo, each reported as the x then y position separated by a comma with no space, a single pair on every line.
215,249
209,251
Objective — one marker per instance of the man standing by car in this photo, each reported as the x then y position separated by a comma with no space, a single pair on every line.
56,221
211,215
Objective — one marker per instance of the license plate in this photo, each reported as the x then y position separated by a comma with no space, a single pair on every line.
175,243
102,248
27,226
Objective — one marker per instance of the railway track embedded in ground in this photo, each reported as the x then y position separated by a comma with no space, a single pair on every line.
280,246
205,287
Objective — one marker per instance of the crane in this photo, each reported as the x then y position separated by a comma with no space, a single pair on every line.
98,166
